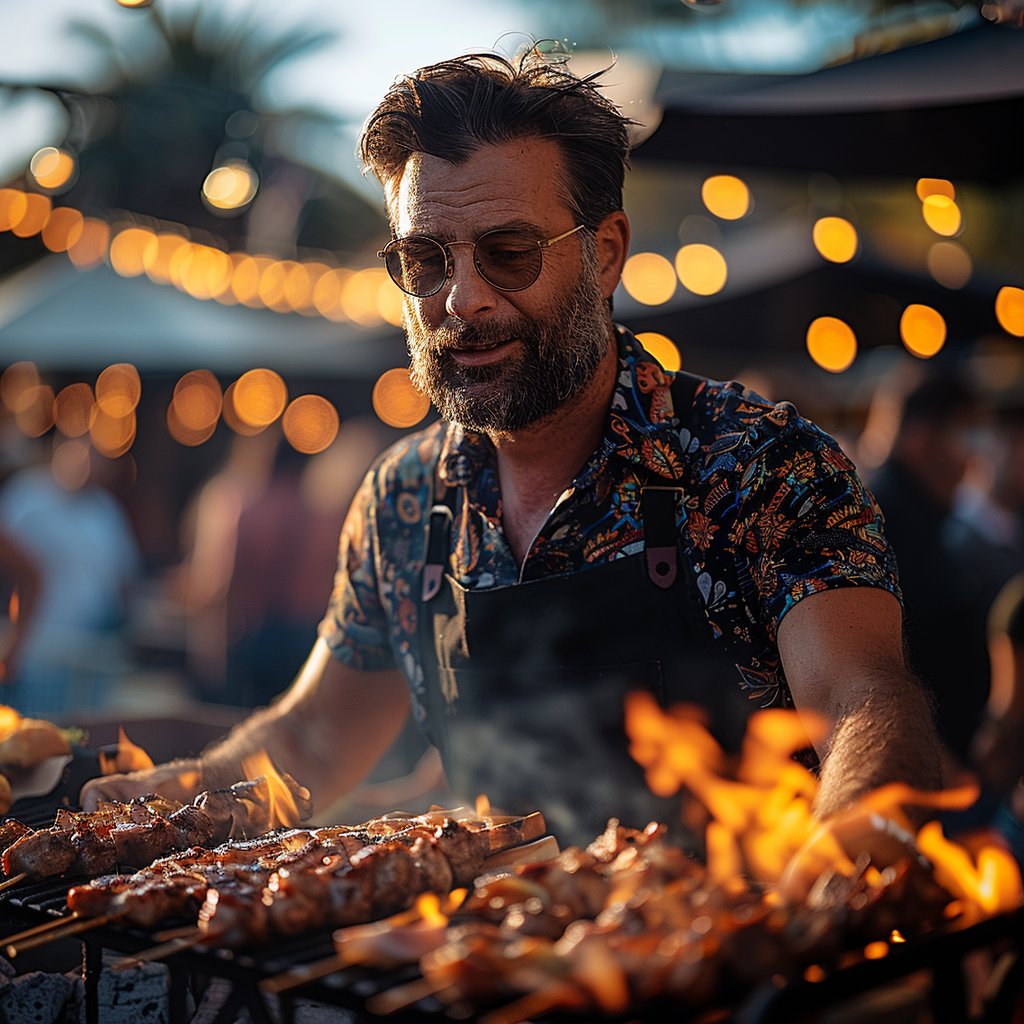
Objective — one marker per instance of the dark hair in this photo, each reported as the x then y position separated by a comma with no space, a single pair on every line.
939,399
449,110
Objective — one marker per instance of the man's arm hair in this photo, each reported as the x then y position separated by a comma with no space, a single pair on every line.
842,651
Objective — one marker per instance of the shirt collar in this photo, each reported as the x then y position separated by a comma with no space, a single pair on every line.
641,426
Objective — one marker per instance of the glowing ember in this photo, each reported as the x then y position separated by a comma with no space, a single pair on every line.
129,757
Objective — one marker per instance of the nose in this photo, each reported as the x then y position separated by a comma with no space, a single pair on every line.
468,294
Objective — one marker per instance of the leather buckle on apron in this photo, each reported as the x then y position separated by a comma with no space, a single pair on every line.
438,526
658,509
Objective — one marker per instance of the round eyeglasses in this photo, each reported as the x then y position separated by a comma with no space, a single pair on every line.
507,260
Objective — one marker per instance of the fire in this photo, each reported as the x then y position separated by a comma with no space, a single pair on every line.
129,757
9,721
483,806
282,811
14,607
763,823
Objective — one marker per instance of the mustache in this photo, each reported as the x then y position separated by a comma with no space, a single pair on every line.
473,335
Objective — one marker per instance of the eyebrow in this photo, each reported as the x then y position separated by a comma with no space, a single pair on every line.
509,225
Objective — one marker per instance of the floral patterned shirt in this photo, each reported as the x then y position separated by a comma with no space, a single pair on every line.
770,510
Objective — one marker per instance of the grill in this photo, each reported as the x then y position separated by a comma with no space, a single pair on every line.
941,953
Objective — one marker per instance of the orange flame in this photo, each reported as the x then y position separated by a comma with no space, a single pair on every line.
9,721
483,805
764,824
130,757
282,810
14,607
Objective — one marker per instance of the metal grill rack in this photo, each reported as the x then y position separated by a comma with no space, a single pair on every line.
940,952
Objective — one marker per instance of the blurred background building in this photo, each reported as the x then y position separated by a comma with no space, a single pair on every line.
202,350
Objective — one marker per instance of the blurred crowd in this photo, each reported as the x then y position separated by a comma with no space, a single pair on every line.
236,612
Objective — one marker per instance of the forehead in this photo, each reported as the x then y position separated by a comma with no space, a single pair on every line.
513,181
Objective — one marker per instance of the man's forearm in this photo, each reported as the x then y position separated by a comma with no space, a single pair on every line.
885,736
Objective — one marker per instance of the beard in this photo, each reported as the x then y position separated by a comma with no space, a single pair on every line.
557,358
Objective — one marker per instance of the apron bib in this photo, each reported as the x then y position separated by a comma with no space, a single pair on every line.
525,684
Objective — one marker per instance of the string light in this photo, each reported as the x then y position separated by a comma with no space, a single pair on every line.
831,343
701,268
397,402
923,330
649,278
726,196
835,238
1010,310
663,349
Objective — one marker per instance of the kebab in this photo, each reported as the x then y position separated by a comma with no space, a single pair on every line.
293,880
138,832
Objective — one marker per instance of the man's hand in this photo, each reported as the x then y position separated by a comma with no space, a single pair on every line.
180,780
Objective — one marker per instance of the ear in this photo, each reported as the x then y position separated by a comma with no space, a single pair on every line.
612,236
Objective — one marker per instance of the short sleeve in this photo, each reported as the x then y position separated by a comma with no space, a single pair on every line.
355,625
808,524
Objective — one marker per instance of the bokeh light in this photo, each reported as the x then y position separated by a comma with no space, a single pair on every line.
72,409
941,214
1010,310
327,294
726,196
156,259
91,248
52,168
233,420
300,285
649,278
935,187
37,209
272,285
950,264
118,389
197,401
831,343
396,401
135,3
310,424
35,413
245,281
231,186
186,435
701,269
128,250
923,330
359,297
13,206
663,349
835,238
260,397
201,271
111,436
390,301
15,383
63,229
70,465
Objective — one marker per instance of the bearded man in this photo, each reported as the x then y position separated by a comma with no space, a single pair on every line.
579,523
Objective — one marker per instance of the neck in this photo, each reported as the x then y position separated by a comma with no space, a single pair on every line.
536,465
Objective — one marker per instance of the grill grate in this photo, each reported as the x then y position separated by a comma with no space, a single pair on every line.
941,952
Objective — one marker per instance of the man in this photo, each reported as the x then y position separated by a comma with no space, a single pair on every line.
578,524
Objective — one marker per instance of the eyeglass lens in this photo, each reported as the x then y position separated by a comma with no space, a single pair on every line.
508,260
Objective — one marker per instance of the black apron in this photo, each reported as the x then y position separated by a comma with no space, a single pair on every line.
525,684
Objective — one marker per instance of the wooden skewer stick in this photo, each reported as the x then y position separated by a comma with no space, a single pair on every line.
57,922
300,975
168,948
73,928
398,998
175,933
13,880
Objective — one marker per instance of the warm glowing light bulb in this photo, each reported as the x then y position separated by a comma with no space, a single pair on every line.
396,401
663,349
359,297
726,196
13,206
701,269
230,186
63,229
260,397
941,214
37,211
923,330
835,238
310,424
1010,310
52,168
935,187
128,250
831,343
649,278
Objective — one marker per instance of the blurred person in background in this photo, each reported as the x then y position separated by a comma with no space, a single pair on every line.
63,514
986,528
943,621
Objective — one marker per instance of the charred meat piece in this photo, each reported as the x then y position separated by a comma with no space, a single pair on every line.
11,831
136,846
194,826
94,852
464,850
40,854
